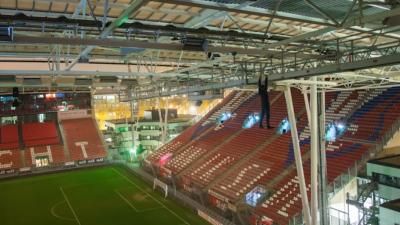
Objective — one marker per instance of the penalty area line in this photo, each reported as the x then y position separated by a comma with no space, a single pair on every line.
126,200
141,189
70,206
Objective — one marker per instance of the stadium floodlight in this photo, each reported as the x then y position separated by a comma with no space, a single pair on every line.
193,110
284,126
252,119
340,126
224,116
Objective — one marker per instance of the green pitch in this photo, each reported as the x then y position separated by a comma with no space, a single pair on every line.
96,196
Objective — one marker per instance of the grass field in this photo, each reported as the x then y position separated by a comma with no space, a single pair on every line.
96,196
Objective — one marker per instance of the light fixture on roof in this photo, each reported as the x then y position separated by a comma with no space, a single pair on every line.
194,44
6,34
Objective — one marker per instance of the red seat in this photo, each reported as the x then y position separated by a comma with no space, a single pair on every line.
36,134
82,138
9,137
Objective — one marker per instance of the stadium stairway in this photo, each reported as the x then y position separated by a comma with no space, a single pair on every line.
189,152
234,126
257,167
231,106
82,139
20,135
249,156
65,146
189,134
22,158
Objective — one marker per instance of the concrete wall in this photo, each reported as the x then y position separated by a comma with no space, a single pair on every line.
388,216
391,171
388,192
395,141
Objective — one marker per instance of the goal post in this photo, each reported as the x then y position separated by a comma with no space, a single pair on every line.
162,185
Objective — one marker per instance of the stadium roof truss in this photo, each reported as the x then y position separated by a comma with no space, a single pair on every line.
353,43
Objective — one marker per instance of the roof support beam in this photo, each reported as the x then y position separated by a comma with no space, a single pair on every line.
104,34
247,10
391,59
75,2
349,23
47,73
320,11
364,64
91,42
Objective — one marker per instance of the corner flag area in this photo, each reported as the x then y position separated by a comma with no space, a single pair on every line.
97,196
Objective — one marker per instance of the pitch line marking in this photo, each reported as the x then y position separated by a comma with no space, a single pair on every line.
162,204
70,206
126,200
58,216
133,207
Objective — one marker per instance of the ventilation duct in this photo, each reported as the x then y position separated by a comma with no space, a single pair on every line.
108,79
81,81
194,44
6,34
7,79
32,81
129,82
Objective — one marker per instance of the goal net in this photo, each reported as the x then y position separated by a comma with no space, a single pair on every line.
160,184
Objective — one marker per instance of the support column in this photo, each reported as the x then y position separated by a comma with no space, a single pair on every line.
161,123
307,103
324,211
165,125
297,155
314,152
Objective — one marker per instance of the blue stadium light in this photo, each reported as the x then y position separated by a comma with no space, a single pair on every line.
334,130
284,126
341,126
224,117
330,132
255,196
252,119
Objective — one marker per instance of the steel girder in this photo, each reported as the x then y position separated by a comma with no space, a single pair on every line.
374,57
107,31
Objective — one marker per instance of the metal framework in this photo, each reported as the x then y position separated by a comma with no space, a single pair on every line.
245,39
317,47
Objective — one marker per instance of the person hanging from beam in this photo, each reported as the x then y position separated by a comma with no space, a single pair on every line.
265,108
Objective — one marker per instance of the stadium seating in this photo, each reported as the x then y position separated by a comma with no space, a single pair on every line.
196,131
375,116
83,139
241,144
55,154
257,168
230,161
9,137
237,99
378,111
210,140
10,159
36,134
